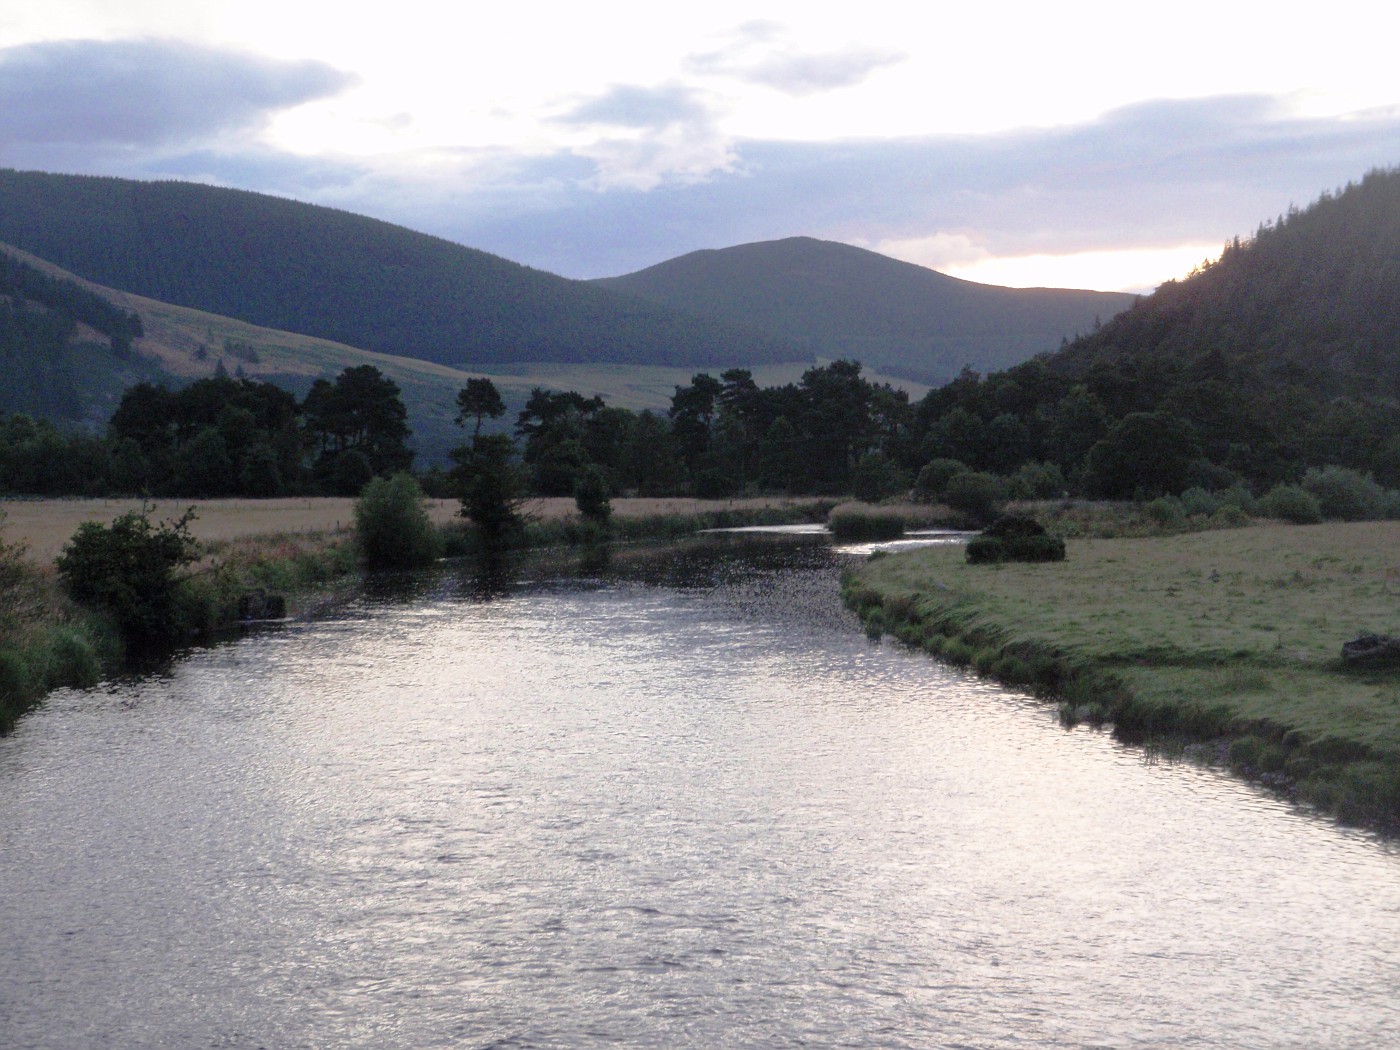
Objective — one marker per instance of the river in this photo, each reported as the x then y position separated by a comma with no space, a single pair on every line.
683,801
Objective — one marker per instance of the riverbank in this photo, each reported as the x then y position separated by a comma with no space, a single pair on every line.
302,551
1227,638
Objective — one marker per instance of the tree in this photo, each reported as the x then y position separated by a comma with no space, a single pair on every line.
479,400
392,527
1144,454
493,488
361,411
591,497
130,568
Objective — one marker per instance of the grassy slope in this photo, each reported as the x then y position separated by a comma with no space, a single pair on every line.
175,335
1236,630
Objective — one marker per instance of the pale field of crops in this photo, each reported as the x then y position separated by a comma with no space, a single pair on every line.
44,526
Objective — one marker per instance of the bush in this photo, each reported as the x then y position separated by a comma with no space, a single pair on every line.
592,496
129,568
1014,538
975,494
876,477
934,477
856,523
1290,503
1167,512
1197,501
1346,494
1229,516
1034,480
392,527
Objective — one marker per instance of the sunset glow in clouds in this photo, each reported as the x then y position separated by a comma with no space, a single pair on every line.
1087,145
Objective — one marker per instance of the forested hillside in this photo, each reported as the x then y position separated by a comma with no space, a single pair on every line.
61,345
331,274
840,301
1283,355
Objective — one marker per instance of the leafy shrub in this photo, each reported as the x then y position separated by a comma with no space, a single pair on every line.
129,568
1034,480
392,527
1014,537
1167,512
1197,500
975,494
1346,494
1229,516
934,477
591,496
72,659
1290,503
856,523
1237,495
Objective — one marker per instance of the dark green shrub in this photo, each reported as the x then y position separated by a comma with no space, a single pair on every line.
975,494
1036,549
592,496
1290,503
71,660
934,477
1035,480
1229,516
1346,494
985,550
1167,512
130,568
876,477
1197,500
855,524
392,527
1014,537
492,487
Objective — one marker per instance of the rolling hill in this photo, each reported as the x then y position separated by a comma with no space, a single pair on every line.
836,301
81,381
301,268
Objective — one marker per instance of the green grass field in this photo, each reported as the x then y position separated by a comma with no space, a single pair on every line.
1233,632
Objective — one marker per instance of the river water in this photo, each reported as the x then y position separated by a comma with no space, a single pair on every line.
683,802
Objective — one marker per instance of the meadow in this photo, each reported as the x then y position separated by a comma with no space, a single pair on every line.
1232,636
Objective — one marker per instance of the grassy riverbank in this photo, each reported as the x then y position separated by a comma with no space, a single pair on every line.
303,550
1229,636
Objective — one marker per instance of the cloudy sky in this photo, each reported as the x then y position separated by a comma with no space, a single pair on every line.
1094,145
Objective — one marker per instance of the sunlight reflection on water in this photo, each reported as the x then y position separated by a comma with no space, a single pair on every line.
687,803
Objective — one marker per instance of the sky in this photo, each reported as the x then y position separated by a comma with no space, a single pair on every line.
1088,145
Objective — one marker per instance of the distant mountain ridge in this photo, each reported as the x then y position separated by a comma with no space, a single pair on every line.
836,300
334,275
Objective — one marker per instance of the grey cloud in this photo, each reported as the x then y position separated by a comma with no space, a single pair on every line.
145,93
1157,173
631,106
799,74
759,54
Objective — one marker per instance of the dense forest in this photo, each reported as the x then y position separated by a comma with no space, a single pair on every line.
845,302
1283,354
48,332
332,274
219,437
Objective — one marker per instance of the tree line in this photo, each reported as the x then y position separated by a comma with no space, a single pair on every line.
1123,431
219,437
